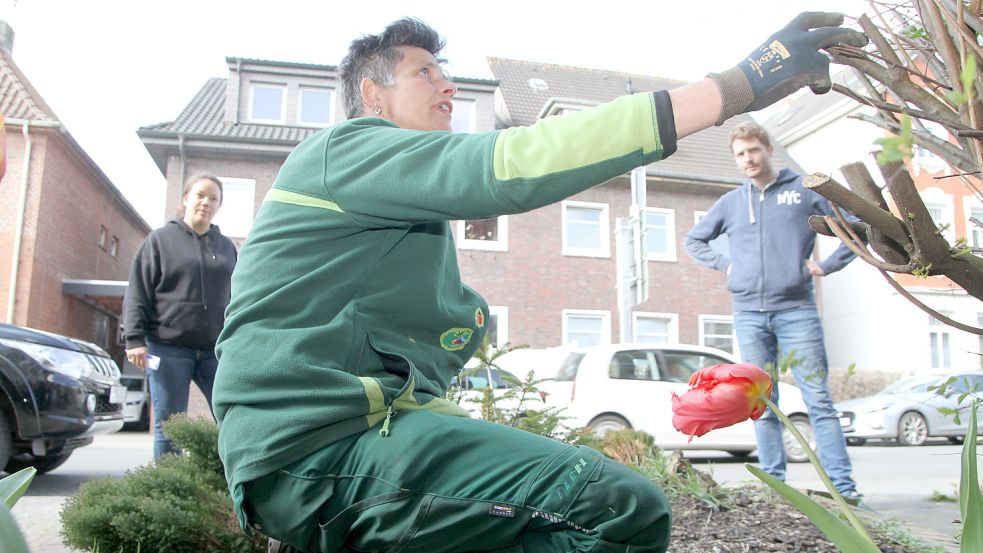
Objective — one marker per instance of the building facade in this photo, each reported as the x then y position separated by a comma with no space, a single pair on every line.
67,235
549,275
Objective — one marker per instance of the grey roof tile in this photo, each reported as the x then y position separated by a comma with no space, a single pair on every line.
204,116
18,99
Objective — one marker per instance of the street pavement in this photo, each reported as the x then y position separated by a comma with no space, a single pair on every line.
879,470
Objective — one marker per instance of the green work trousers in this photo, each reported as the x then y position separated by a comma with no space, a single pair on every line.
439,483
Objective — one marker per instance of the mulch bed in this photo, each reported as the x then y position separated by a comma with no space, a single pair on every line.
758,521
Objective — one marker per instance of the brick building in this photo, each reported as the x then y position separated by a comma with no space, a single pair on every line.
67,235
549,275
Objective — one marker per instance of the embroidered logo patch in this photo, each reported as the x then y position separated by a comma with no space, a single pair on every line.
455,338
479,317
499,510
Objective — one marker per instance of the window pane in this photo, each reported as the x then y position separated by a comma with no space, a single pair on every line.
947,362
657,232
481,229
267,103
583,228
315,106
462,118
586,331
493,330
719,334
583,214
652,330
235,216
975,231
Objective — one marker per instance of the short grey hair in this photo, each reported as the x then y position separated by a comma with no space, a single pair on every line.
375,57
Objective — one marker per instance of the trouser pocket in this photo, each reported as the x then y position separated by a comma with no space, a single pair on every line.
373,524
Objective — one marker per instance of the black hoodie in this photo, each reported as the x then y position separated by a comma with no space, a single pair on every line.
179,287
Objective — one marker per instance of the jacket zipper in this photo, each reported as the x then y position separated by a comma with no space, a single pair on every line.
390,413
761,248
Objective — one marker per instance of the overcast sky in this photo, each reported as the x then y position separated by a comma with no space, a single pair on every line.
108,67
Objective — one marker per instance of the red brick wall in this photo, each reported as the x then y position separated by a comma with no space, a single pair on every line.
67,204
536,281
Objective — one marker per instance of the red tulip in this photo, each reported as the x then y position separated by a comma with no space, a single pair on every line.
720,396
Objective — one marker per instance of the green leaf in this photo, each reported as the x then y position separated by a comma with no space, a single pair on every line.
970,506
844,537
13,487
967,77
10,536
896,148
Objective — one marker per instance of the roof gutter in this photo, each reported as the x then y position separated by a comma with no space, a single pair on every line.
22,207
693,177
181,168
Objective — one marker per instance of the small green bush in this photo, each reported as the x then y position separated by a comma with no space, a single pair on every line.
178,504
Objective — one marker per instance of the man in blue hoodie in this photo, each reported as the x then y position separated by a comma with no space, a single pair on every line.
770,274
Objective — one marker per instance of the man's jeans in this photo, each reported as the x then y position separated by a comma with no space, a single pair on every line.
766,338
171,382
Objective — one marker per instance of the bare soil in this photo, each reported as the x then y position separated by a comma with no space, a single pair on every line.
757,522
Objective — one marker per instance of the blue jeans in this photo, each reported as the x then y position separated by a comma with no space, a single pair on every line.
171,383
765,338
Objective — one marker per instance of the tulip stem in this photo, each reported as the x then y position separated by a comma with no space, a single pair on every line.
844,507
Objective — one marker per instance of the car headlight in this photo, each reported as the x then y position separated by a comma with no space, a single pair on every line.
69,363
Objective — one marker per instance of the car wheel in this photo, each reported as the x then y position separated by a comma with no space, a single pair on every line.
856,441
793,449
608,423
6,440
912,429
957,440
740,452
41,464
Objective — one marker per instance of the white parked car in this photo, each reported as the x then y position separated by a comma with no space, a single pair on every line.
616,386
469,387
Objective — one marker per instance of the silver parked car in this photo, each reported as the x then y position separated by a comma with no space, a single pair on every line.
911,410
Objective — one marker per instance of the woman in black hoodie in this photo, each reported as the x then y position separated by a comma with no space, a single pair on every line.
175,303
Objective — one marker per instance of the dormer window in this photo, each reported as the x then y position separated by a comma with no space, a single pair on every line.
315,107
463,116
266,103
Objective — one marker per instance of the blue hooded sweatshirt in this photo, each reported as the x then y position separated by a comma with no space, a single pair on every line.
770,242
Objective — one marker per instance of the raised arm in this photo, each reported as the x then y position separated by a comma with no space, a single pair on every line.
787,61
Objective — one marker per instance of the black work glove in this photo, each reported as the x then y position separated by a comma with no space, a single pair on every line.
789,60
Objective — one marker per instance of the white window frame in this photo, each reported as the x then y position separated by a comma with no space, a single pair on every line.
729,319
331,106
672,337
941,335
472,120
670,253
283,102
971,203
231,225
604,316
501,314
937,198
604,230
500,245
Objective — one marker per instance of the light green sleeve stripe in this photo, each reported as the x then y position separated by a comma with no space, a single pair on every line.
288,197
583,138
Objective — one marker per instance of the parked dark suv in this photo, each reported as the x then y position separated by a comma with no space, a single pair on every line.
56,393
